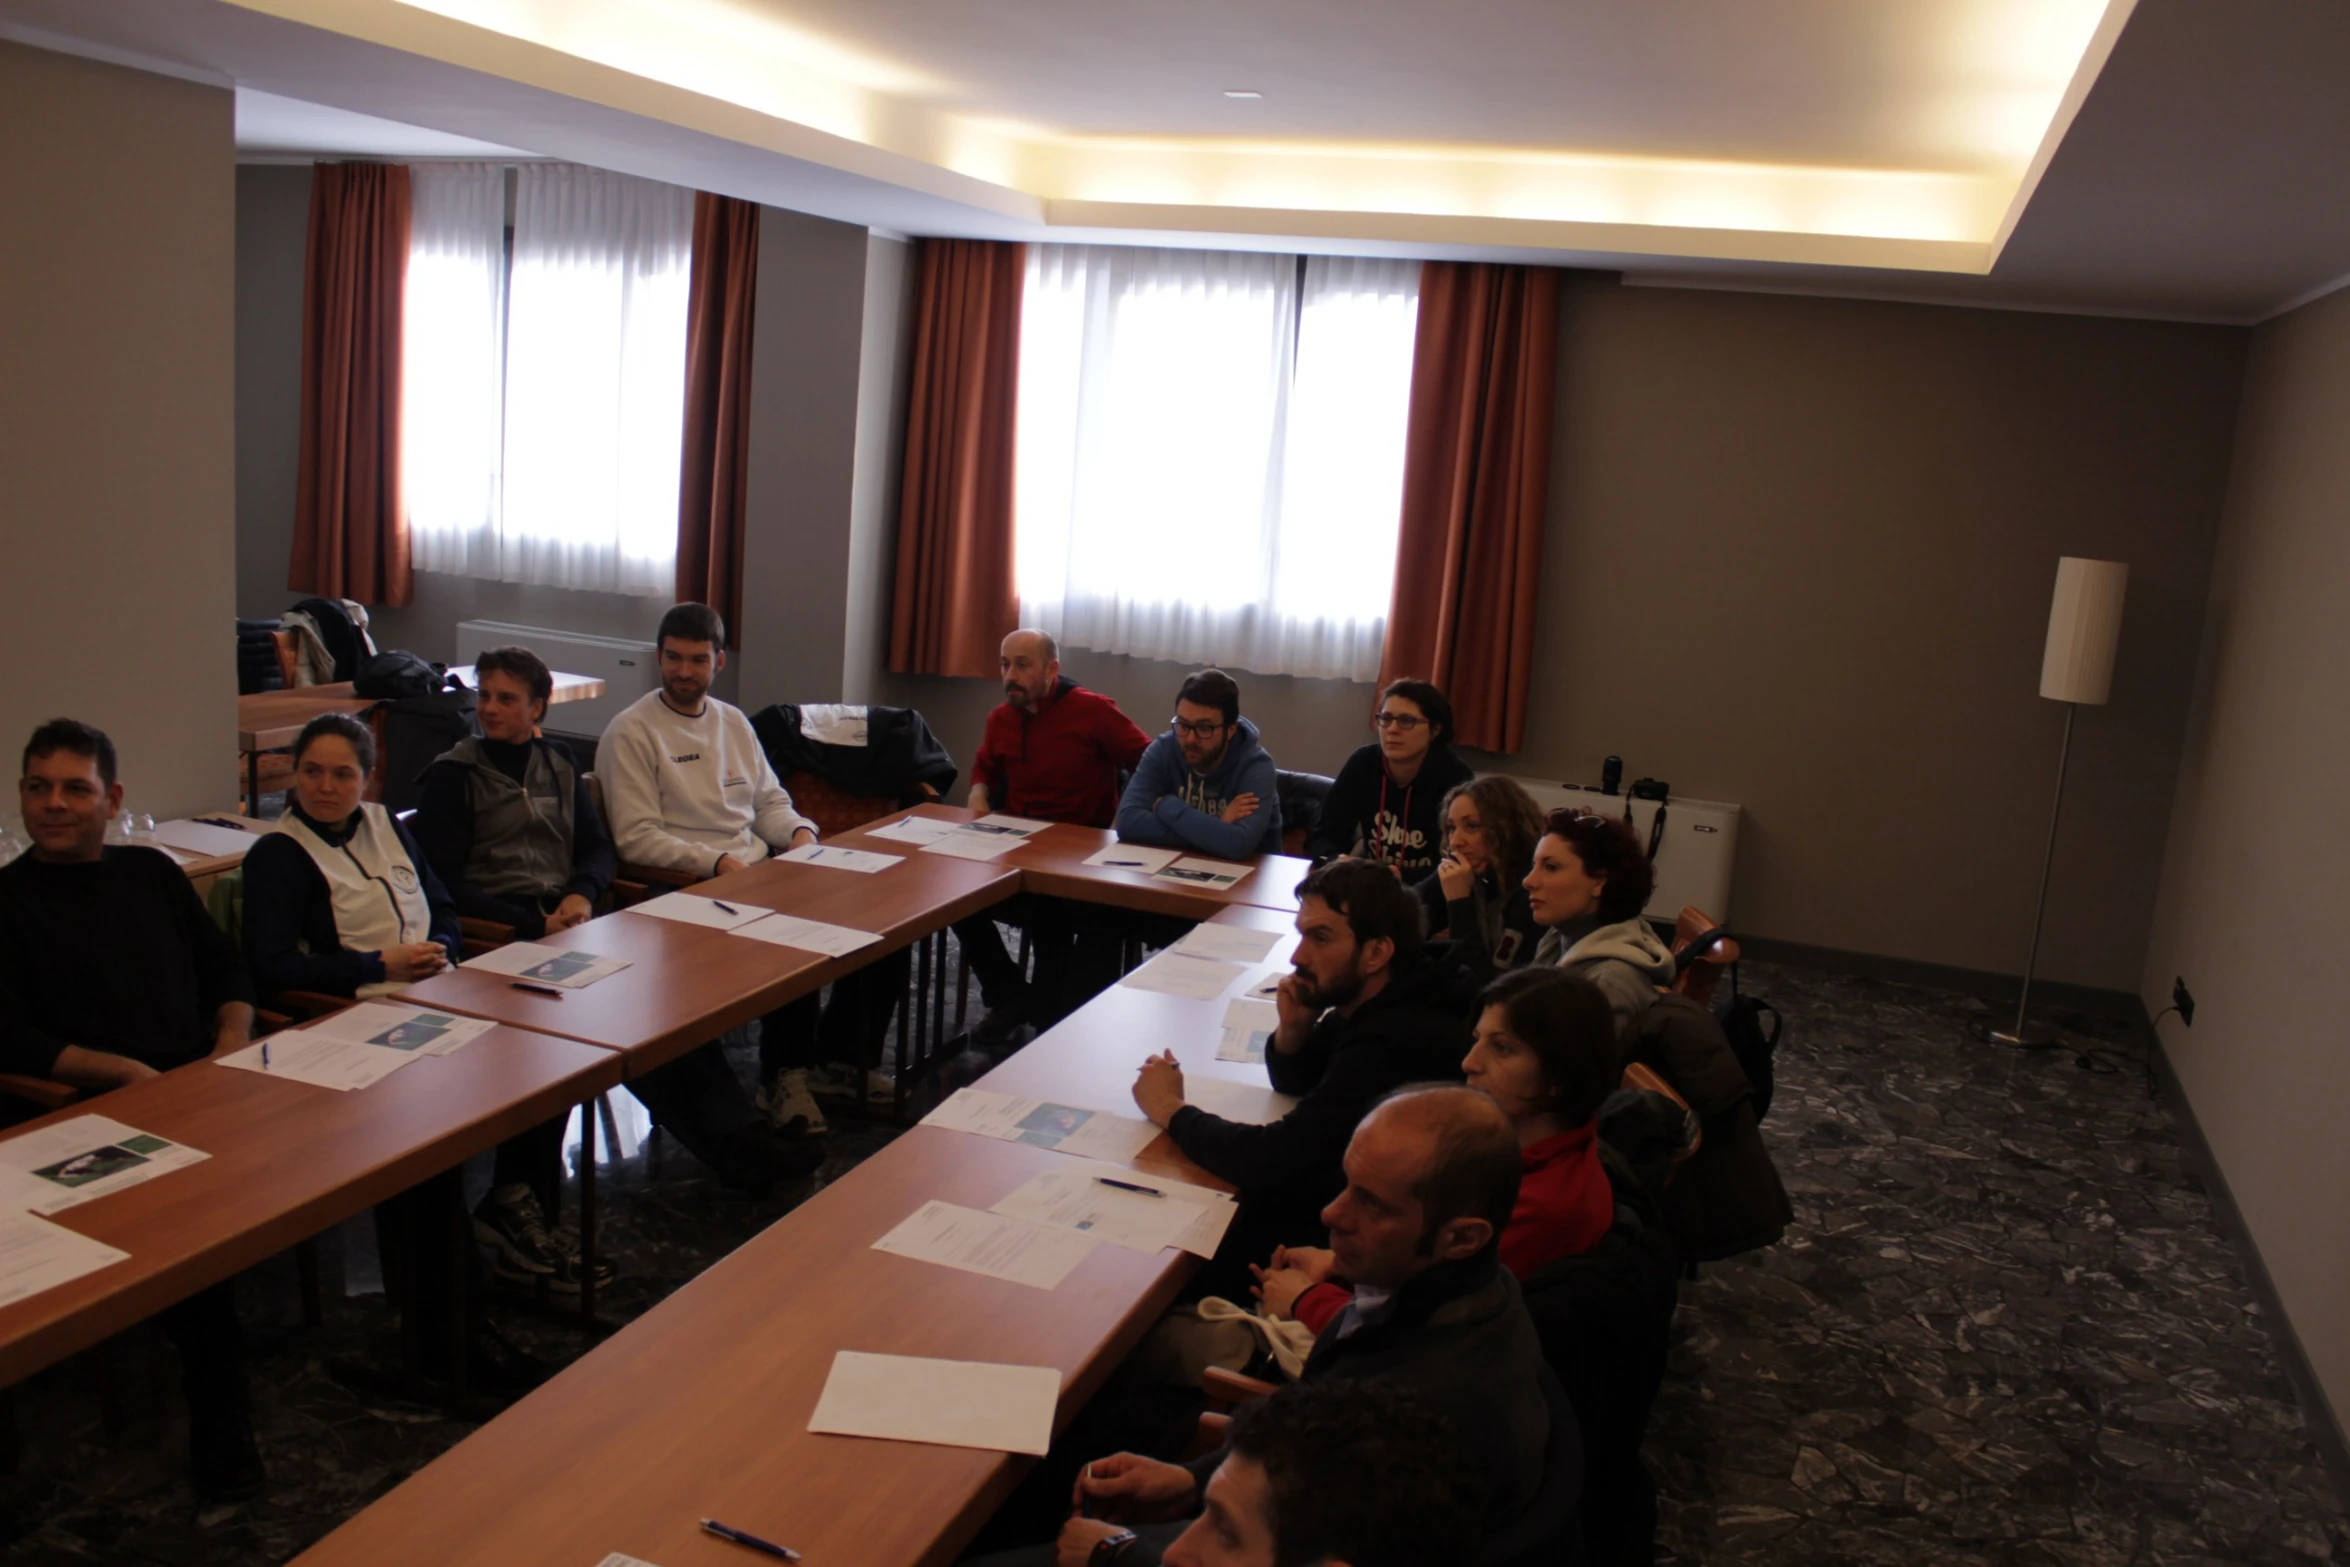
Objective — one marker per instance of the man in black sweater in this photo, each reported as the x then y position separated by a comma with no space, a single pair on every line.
1361,1016
111,972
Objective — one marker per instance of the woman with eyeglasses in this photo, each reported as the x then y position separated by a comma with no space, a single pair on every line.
1590,880
1475,899
1386,804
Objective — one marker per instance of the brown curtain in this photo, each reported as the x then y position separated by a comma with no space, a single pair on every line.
717,407
1476,475
350,525
955,597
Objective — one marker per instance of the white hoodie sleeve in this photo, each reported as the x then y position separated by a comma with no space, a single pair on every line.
773,817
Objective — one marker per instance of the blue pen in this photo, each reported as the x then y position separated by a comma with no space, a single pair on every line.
265,1055
779,1552
728,907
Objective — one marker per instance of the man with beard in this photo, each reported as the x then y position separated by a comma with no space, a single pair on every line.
1208,784
1051,751
1362,1015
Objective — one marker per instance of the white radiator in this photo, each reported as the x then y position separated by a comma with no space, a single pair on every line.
628,669
1693,859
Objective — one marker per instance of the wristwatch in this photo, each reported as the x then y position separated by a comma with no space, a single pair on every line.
1110,1547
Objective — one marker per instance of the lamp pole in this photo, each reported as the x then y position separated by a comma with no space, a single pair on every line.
2024,1034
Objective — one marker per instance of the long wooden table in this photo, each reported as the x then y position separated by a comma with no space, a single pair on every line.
700,1408
288,1160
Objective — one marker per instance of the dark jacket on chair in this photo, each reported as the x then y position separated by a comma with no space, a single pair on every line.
1726,1198
899,755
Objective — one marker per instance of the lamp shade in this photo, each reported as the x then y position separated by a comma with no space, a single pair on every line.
2084,623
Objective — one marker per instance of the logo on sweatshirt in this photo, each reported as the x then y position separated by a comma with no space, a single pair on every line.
690,756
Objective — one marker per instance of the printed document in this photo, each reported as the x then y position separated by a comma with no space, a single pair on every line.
205,840
1176,973
951,1403
397,1027
1134,857
1248,1030
547,965
1071,1129
1215,875
864,861
789,930
989,1243
319,1061
687,909
1232,943
1076,1195
968,845
915,829
1255,1103
60,1166
36,1255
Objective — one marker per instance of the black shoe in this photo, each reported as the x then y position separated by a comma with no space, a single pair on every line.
523,1251
1001,1026
224,1461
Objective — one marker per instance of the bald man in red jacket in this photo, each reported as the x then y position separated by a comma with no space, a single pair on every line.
1052,750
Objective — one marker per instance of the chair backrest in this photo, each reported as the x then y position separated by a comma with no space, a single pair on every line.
1301,796
1699,974
834,810
1549,1531
289,654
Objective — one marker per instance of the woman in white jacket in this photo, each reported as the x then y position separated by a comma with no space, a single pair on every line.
1589,883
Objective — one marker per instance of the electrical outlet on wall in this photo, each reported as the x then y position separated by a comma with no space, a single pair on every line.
2184,999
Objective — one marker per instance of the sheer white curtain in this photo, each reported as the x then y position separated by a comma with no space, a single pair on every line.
451,401
1211,454
595,379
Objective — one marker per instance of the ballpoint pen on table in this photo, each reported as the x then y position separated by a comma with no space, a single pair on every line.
779,1552
1129,1186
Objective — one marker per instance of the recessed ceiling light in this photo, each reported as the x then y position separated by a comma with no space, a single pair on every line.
1242,92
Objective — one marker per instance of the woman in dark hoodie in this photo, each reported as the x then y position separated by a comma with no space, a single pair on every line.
1387,804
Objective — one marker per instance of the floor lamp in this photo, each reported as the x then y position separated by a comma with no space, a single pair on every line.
2084,623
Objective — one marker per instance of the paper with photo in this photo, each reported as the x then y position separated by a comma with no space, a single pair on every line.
1072,1196
914,829
36,1255
304,1057
1255,1103
949,1403
1232,943
57,1167
863,861
1133,857
996,822
397,1026
789,930
687,909
1213,874
205,840
1176,973
1041,1123
974,846
1248,1030
547,965
1010,1249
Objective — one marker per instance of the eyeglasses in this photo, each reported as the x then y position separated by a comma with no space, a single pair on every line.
1407,722
1198,731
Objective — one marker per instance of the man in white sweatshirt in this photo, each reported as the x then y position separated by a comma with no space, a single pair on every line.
688,788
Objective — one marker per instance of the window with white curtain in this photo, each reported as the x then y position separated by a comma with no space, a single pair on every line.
544,389
1211,453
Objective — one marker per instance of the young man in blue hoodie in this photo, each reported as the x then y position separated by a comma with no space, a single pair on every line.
1207,784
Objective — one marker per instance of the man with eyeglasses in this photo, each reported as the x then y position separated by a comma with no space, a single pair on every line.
1208,783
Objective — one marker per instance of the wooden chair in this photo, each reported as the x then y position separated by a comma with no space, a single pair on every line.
1700,972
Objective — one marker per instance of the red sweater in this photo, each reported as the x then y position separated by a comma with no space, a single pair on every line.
1060,764
1565,1207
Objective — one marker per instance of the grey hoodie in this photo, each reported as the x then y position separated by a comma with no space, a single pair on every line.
1169,805
1626,961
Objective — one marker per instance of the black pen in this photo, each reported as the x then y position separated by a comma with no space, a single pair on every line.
1129,1186
222,821
779,1552
728,907
539,990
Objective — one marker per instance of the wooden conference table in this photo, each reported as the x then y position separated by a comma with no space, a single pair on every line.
700,1408
272,720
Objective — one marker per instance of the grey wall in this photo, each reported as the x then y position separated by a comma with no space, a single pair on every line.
885,364
2256,882
273,216
117,428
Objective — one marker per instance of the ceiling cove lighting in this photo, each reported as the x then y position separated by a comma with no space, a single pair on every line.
1242,92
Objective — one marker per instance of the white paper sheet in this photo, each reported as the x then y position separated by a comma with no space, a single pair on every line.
397,1026
862,860
1255,1103
789,930
204,839
60,1166
1194,871
1133,857
622,1559
546,965
688,909
36,1255
914,829
975,846
998,824
1041,1123
323,1063
950,1403
1249,1026
1074,1195
1009,1249
1180,974
1232,943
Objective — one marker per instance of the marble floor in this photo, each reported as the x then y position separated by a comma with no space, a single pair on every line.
2006,1328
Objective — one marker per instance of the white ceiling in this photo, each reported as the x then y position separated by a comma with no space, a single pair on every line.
2200,176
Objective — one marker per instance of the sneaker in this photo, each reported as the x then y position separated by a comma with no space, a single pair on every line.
523,1250
791,1109
838,1080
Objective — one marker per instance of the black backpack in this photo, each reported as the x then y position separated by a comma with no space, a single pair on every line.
416,730
1754,1045
390,677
